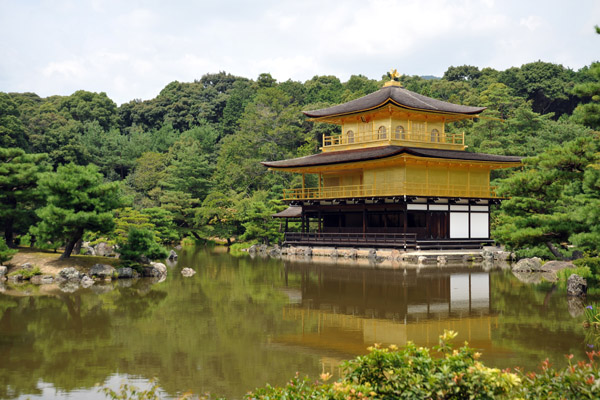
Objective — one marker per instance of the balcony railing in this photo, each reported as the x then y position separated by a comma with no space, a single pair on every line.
408,189
443,140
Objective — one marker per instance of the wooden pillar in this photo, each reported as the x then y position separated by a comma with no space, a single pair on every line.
303,186
364,221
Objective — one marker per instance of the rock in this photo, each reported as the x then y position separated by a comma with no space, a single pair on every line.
487,254
104,249
3,271
556,266
308,252
42,279
125,273
102,271
15,278
86,281
576,286
70,274
187,272
87,250
422,259
502,256
26,267
145,260
178,247
263,248
442,260
155,270
275,251
372,254
172,255
253,249
528,265
334,253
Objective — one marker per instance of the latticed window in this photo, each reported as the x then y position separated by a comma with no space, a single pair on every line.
400,132
350,135
382,132
435,135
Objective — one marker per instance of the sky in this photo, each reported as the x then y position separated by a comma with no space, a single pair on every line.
131,49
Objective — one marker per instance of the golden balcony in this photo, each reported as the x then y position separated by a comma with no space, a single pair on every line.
408,189
434,139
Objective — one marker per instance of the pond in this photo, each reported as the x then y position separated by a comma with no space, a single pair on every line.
240,323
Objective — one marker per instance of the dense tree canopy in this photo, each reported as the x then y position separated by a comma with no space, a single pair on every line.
189,159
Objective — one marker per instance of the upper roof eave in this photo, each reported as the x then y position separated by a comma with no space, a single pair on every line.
398,96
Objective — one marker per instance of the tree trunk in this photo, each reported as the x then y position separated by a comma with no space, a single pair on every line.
196,235
77,248
555,251
9,234
228,242
71,244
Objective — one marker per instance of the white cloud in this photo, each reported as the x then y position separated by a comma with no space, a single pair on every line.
532,22
133,49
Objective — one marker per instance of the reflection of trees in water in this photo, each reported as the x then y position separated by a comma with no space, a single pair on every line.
208,332
534,322
52,339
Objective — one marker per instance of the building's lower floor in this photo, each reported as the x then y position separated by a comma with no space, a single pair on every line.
391,222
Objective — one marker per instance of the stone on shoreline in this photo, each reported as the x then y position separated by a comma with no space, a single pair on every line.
155,270
172,255
102,271
576,286
3,271
69,274
528,265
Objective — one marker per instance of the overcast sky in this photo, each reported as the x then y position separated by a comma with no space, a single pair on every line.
131,49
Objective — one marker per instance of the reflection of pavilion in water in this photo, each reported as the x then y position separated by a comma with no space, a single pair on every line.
344,310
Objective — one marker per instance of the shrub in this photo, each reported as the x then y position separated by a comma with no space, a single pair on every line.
141,242
26,273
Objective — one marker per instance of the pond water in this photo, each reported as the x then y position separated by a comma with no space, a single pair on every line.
241,322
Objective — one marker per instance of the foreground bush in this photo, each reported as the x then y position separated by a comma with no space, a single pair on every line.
415,373
439,373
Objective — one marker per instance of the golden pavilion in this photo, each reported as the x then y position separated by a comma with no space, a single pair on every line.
393,177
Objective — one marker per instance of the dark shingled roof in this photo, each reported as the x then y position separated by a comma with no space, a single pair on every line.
374,153
395,95
290,212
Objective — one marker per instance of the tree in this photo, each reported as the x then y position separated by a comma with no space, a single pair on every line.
19,194
12,131
219,217
546,199
141,242
6,253
77,201
463,73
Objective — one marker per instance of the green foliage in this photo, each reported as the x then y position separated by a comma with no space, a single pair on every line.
77,201
592,315
540,208
12,131
5,252
19,193
26,273
140,242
